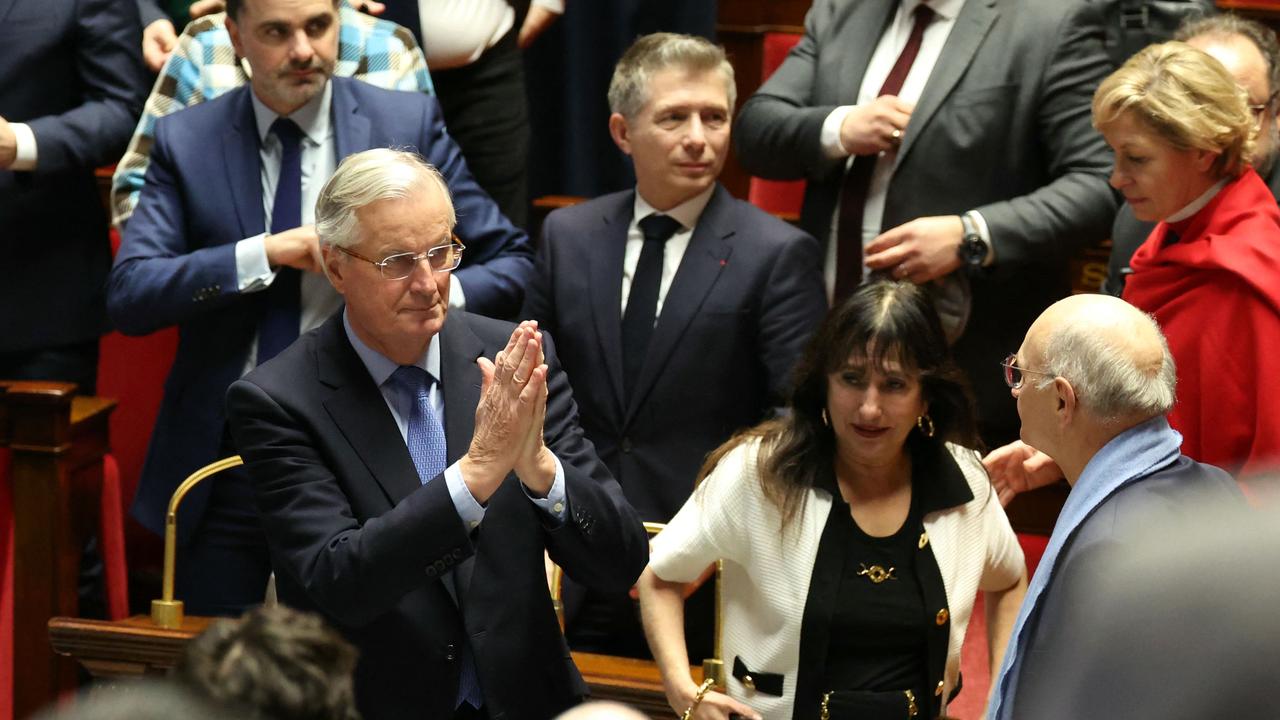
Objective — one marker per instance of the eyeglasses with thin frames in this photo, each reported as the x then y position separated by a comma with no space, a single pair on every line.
1013,374
441,258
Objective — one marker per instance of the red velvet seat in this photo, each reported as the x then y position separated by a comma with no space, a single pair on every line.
774,196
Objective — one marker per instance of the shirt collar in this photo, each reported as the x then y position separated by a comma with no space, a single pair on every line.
1195,205
312,118
686,213
380,366
944,9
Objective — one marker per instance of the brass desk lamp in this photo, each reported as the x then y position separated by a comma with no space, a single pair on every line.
167,612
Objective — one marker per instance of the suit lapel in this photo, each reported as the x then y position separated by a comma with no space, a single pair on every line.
240,150
972,24
867,21
357,408
350,126
605,281
460,383
703,261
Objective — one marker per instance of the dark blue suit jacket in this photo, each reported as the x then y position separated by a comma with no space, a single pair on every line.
354,534
176,265
73,72
744,301
1169,501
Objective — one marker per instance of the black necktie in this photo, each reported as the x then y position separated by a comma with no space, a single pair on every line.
278,324
642,301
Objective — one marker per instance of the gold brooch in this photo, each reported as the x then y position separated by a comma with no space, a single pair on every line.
876,574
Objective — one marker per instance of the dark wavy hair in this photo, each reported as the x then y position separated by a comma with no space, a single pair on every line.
882,321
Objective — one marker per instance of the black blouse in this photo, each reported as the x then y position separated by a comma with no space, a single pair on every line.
937,483
878,641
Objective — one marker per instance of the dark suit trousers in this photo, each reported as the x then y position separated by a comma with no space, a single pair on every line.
76,363
223,569
487,114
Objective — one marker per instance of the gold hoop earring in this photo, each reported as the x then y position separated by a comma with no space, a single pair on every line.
925,424
825,420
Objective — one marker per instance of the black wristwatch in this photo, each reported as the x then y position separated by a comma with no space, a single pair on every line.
973,250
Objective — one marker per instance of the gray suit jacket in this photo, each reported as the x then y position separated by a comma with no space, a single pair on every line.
1002,127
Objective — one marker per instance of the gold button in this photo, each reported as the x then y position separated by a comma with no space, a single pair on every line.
748,682
938,690
942,616
924,540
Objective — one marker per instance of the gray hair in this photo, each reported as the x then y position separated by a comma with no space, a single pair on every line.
365,178
1225,26
649,54
1108,382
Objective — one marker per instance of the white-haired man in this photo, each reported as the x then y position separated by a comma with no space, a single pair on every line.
1093,381
408,486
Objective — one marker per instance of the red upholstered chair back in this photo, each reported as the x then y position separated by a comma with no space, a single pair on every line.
774,196
132,370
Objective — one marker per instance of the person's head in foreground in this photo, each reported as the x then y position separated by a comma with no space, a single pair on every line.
138,700
1091,367
601,710
273,663
1178,123
385,222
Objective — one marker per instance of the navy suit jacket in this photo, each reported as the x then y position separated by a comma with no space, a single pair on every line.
73,72
744,301
1168,501
176,265
355,536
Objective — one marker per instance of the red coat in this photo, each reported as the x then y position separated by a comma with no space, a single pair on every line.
1216,293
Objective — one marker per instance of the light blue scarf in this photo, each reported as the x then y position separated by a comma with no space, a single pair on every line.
1131,455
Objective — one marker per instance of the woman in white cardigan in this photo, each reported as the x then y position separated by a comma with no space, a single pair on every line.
855,531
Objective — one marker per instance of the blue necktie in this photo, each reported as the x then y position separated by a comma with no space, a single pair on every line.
426,441
642,300
278,324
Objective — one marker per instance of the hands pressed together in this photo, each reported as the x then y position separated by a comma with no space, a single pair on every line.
509,418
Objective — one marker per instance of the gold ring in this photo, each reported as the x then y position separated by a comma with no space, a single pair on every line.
518,379
896,135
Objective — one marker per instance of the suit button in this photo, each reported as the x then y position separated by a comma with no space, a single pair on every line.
748,682
626,445
431,572
439,566
941,619
457,554
450,652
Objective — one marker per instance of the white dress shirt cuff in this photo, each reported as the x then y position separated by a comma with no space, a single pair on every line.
457,298
471,512
555,6
554,503
830,137
980,223
25,160
253,272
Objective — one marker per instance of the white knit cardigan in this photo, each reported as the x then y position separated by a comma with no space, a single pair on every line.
766,574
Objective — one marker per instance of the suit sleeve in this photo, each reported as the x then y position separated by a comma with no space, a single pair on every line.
794,303
1076,207
603,544
158,280
354,571
539,296
498,261
778,131
107,44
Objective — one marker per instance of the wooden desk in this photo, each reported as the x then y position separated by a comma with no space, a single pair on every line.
56,441
134,648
